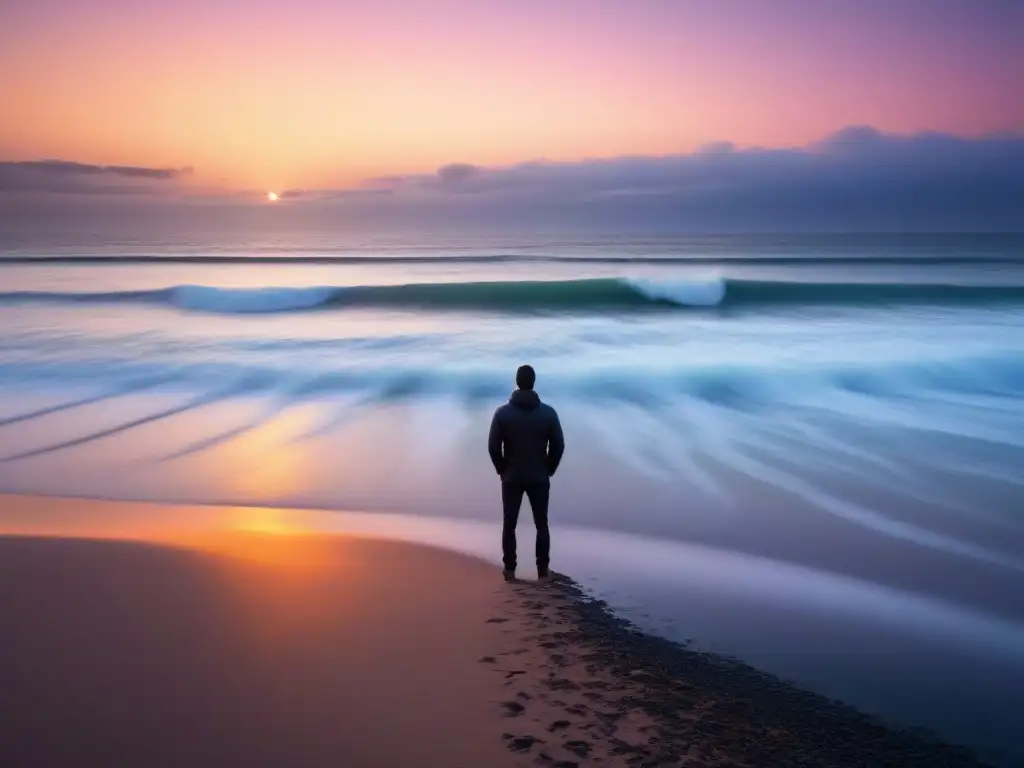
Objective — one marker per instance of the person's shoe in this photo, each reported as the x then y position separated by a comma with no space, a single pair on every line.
509,574
543,574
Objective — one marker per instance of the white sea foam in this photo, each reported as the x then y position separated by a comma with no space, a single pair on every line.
690,293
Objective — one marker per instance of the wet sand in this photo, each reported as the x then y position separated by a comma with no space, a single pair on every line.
219,647
275,651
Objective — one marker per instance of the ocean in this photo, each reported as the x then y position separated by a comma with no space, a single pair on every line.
805,451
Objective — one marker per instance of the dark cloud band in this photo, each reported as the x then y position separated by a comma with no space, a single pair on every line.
69,176
856,179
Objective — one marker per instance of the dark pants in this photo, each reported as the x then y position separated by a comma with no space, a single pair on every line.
511,501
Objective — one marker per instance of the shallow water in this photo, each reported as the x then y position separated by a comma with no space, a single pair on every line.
805,452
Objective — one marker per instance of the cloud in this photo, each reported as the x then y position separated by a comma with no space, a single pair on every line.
857,178
66,176
458,175
384,182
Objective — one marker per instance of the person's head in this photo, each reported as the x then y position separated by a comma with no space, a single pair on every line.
525,377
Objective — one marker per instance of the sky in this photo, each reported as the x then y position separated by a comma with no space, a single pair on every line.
256,95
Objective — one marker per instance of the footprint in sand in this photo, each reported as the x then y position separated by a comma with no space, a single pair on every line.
578,747
523,743
513,708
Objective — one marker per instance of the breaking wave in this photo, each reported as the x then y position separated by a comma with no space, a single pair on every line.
586,295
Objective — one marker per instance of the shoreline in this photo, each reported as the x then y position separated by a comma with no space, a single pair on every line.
523,674
702,707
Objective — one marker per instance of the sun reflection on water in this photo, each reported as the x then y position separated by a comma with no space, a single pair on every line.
266,463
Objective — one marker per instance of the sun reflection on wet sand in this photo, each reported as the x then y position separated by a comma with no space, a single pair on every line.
265,462
291,542
143,521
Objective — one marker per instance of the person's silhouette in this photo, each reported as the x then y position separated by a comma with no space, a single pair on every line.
526,445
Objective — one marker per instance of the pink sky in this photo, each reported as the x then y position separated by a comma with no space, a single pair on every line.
322,93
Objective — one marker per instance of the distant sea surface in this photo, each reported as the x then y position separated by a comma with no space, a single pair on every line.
803,450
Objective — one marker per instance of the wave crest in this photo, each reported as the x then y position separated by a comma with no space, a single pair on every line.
585,295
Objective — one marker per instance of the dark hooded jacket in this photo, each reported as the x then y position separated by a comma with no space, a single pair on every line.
525,442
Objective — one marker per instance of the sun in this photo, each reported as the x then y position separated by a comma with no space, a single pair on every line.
272,197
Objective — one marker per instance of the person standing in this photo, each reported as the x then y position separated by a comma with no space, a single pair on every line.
526,445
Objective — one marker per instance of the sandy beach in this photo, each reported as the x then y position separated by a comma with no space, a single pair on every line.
221,646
